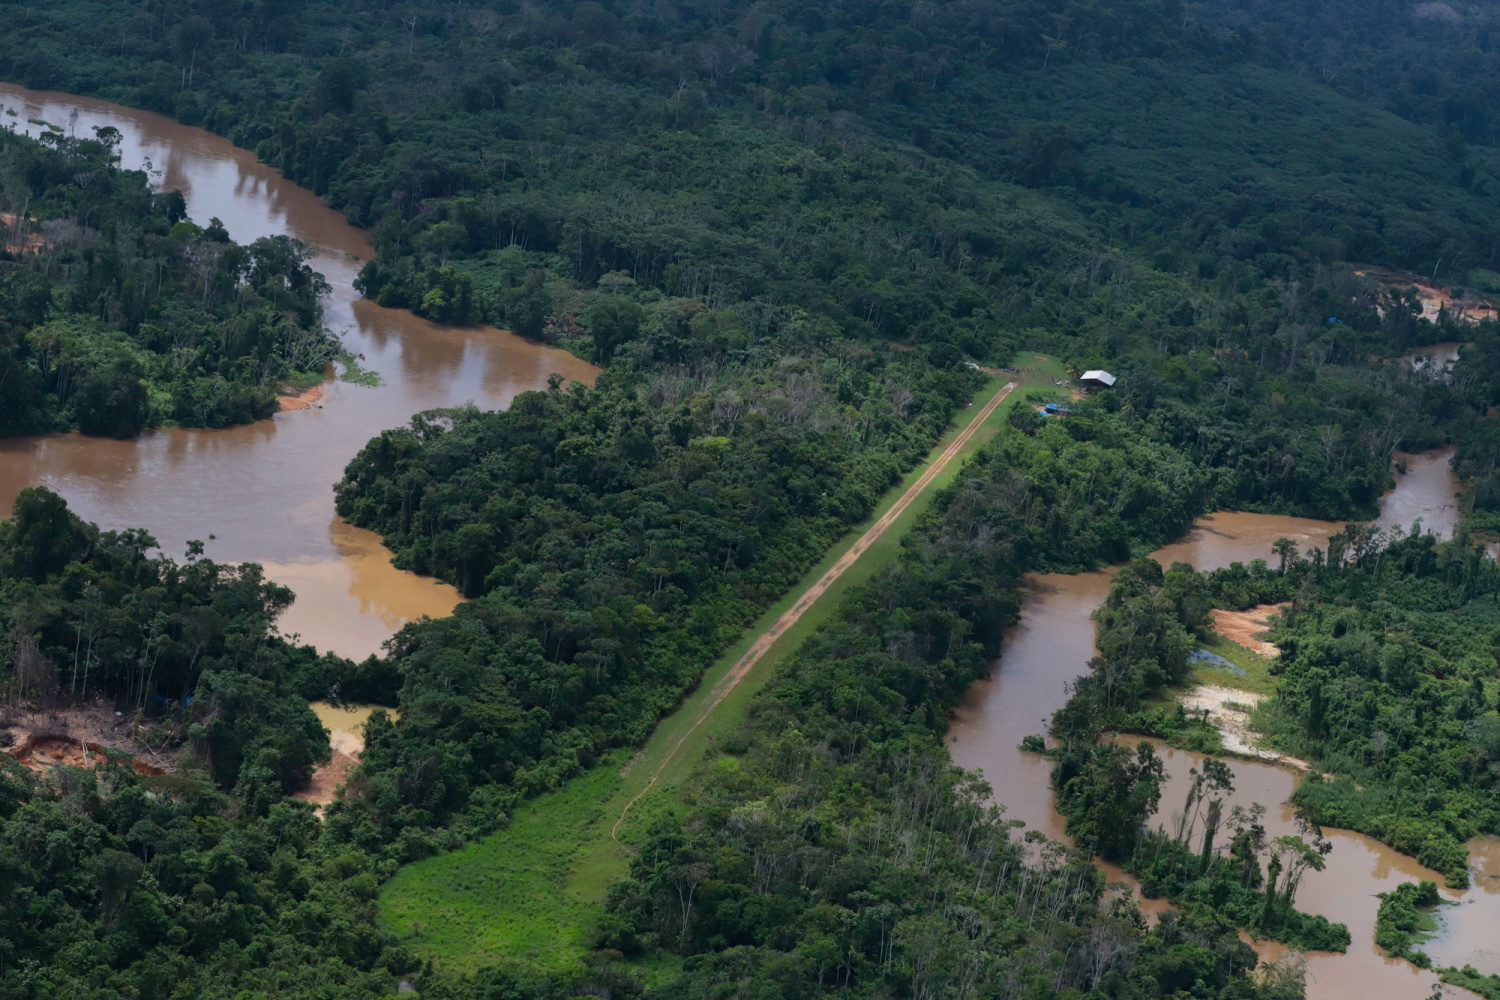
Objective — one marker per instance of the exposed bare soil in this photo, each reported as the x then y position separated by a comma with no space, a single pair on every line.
345,724
1229,710
302,400
1248,628
327,779
78,737
1466,308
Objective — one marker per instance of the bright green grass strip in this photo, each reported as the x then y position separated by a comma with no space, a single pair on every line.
530,893
503,898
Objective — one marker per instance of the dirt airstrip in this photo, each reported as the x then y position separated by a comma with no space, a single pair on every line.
810,597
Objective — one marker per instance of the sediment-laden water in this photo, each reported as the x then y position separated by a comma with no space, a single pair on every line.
265,490
1052,644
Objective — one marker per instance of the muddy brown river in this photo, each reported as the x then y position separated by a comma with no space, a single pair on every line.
265,490
1052,643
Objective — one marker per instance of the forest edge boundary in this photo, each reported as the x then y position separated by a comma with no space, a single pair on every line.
811,595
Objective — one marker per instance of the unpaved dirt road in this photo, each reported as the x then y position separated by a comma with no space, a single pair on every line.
791,616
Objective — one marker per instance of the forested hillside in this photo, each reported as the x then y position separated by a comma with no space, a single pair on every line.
210,882
119,313
871,162
618,539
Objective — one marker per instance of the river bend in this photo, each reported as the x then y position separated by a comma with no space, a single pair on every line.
265,489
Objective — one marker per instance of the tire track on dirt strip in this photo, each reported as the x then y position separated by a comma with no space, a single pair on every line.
809,597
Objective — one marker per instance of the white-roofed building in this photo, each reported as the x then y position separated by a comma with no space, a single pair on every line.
1098,377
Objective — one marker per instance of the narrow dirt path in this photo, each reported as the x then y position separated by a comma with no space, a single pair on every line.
790,617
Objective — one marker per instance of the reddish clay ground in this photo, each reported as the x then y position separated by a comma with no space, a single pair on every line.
302,400
1469,308
327,779
1246,627
42,751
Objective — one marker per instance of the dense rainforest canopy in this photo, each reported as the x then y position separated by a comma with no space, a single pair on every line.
210,881
782,228
618,538
118,313
812,829
962,172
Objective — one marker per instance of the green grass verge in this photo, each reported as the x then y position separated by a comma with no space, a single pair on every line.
529,893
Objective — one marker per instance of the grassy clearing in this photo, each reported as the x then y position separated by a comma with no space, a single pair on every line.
529,893
1253,671
502,897
1247,671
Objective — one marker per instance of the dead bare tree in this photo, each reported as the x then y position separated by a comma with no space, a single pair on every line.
722,58
686,879
410,23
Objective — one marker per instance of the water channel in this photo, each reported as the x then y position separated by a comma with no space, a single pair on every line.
1053,642
265,489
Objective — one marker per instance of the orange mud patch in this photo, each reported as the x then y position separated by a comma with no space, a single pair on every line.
1041,357
327,779
43,751
345,725
1246,627
17,241
1468,308
302,400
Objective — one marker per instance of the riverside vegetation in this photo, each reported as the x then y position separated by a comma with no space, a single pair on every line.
737,209
1406,918
119,313
937,176
1385,683
259,887
839,784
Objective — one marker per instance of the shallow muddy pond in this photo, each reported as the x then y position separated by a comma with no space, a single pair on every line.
345,723
265,490
1052,644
